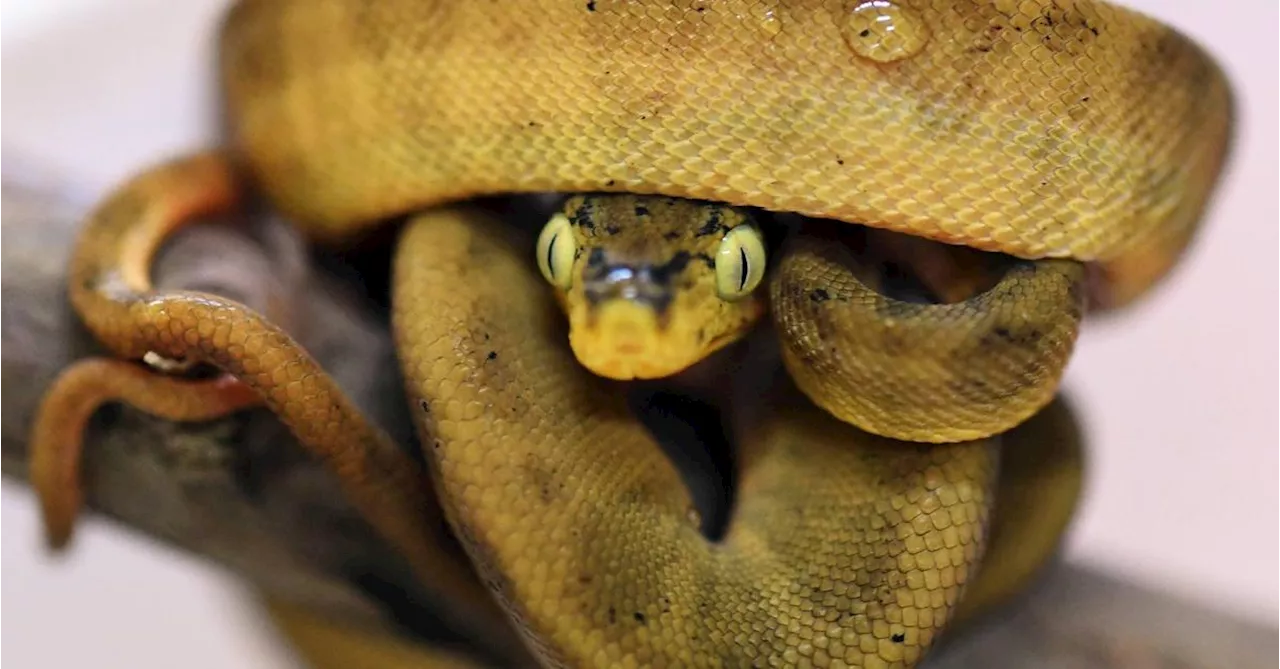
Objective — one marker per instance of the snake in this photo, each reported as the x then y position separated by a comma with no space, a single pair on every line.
1025,161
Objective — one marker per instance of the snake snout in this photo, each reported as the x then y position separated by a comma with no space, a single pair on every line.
626,339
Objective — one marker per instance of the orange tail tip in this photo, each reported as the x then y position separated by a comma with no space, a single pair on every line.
57,440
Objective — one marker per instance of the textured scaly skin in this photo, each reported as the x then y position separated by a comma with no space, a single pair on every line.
918,371
1087,133
844,546
1042,469
841,538
1039,484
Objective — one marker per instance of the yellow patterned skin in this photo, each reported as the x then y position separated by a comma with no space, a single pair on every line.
1079,136
1039,485
1082,132
1042,468
844,547
641,299
1075,130
924,371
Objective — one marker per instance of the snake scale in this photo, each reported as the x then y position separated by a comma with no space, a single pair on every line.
1026,160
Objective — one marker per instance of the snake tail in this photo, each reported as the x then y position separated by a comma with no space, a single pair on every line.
110,290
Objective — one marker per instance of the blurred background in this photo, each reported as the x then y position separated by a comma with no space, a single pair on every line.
1178,395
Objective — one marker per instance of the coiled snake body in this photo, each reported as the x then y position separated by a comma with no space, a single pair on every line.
1076,141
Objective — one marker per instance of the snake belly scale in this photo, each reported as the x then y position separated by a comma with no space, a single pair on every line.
1079,140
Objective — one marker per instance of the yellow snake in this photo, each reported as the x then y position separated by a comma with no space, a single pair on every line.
1074,144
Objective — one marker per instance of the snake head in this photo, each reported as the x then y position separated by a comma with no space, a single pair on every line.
652,285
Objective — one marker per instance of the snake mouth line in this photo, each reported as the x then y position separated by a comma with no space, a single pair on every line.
630,361
653,355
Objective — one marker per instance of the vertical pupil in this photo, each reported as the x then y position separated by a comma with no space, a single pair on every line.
551,245
742,254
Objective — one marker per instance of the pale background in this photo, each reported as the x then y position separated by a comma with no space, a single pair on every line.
1179,395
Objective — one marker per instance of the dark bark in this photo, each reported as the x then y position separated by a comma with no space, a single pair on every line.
239,491
1077,618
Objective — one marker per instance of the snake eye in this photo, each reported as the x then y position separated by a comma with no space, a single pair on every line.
556,251
740,262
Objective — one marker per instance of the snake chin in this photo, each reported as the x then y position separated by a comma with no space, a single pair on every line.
626,341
